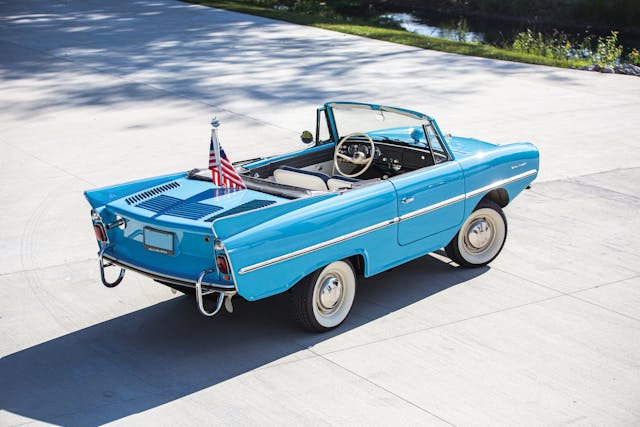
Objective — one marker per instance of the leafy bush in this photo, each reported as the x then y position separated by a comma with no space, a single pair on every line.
634,57
608,52
556,46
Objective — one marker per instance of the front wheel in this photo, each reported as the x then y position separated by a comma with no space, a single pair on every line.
481,236
323,300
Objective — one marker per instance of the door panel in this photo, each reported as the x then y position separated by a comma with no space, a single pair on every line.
429,201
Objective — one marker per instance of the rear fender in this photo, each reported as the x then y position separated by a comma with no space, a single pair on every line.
101,196
274,255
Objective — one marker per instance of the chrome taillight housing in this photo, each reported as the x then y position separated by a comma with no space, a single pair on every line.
223,264
99,228
101,233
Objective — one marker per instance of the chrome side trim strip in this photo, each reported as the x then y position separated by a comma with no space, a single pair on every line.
318,246
501,183
384,224
166,278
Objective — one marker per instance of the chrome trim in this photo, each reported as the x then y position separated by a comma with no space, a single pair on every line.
384,224
103,266
501,183
96,219
432,207
200,294
233,272
167,278
318,246
117,223
407,200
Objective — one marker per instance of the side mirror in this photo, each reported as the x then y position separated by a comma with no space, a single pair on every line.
306,137
416,134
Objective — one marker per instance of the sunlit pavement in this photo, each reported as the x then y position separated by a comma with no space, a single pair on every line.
95,93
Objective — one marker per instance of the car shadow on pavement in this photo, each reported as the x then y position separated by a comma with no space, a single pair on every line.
158,354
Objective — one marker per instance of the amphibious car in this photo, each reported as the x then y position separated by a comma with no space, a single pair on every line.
376,187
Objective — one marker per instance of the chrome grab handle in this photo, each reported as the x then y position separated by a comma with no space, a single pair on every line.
200,294
102,267
406,200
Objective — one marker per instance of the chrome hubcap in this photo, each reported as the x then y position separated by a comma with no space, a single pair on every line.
479,234
330,293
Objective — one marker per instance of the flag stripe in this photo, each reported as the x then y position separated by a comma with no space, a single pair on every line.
230,177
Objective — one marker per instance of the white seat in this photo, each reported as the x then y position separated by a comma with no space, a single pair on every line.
299,179
338,184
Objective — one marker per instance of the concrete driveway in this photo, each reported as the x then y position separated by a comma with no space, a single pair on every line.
95,93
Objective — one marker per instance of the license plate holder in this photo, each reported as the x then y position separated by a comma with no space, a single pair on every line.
157,240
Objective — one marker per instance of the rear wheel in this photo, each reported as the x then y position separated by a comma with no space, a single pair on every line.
323,300
481,236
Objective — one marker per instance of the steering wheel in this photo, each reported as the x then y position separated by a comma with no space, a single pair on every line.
359,158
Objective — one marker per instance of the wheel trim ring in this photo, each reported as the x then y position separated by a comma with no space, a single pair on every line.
492,248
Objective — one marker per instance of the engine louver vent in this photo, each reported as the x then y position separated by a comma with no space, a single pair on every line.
192,210
167,205
159,203
136,198
249,206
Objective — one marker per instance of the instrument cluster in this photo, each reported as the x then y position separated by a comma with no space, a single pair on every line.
390,159
352,149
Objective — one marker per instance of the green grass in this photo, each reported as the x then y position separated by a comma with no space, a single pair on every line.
365,28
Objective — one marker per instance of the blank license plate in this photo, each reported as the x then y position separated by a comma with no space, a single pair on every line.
157,240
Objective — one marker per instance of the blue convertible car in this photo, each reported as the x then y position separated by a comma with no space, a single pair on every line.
378,186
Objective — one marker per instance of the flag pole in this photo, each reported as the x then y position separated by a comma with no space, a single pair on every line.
215,123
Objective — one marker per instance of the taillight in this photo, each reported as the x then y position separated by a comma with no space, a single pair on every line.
101,234
222,264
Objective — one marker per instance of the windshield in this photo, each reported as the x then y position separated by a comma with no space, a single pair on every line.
380,124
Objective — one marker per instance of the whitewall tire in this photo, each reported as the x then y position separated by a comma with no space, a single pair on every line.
323,300
481,236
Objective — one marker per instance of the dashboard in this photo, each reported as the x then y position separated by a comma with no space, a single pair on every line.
391,157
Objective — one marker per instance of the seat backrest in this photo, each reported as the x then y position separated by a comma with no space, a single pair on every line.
301,178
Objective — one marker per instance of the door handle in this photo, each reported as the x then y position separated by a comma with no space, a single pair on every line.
406,200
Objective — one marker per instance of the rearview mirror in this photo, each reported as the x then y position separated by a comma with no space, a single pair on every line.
306,137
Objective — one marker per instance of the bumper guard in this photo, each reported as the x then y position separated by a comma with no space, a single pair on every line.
200,286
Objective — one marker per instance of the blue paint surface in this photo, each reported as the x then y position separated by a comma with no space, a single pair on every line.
296,237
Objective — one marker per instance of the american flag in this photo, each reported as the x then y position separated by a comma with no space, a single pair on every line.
222,171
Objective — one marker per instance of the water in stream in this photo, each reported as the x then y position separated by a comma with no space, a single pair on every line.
494,32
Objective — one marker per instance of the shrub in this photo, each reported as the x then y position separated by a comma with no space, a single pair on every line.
556,46
608,52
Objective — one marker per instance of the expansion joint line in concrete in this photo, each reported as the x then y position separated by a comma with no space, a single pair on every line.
386,390
572,293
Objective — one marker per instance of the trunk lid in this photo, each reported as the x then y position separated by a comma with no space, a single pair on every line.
189,203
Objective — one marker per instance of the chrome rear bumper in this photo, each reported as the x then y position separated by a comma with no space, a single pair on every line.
201,287
167,278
